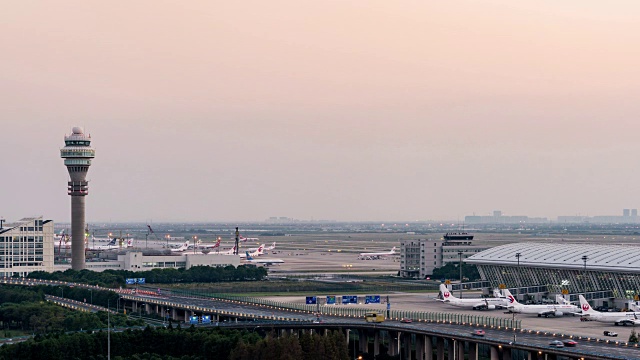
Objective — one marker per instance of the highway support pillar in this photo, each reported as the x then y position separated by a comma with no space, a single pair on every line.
506,354
406,346
174,314
376,343
427,342
348,333
473,350
439,348
460,350
393,343
451,349
420,347
363,341
494,354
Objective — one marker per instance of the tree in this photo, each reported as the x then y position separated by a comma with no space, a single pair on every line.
633,337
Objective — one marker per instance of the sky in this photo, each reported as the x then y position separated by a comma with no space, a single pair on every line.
339,109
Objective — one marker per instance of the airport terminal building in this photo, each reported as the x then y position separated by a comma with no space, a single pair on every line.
26,246
607,274
418,258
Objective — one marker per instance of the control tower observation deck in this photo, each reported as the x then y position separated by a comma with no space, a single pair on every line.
77,154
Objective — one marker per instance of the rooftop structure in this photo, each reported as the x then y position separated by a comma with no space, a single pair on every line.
77,154
605,272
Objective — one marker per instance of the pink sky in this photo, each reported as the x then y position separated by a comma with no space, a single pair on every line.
347,110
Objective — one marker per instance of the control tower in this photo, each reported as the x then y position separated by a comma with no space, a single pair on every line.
77,154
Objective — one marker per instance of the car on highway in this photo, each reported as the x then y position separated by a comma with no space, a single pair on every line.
556,343
570,343
477,332
406,320
610,333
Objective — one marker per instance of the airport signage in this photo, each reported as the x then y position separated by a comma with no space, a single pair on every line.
312,300
331,300
135,281
349,299
372,299
193,320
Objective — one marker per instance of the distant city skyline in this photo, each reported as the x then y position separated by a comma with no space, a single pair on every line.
350,110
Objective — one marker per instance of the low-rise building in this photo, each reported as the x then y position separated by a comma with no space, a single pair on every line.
418,258
136,261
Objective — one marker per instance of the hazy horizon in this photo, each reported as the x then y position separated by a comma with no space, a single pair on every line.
344,110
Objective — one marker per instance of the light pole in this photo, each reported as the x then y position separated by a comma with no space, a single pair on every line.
518,257
91,292
460,266
584,275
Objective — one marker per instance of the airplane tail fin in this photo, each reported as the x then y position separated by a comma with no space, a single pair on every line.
497,294
511,298
393,250
584,306
248,256
446,294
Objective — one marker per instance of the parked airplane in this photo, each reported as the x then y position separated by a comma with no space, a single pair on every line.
209,246
243,239
540,310
272,247
229,252
377,255
182,248
265,262
617,318
475,304
112,245
258,252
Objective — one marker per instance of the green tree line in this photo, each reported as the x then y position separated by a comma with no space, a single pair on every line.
451,271
115,278
25,309
183,344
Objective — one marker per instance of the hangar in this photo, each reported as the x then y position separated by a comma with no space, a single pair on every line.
607,274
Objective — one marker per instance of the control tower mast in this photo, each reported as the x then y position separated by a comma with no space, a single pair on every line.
77,154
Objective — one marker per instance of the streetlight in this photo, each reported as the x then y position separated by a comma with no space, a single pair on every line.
460,266
584,259
519,283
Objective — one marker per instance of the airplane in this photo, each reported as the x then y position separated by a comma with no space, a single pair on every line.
475,304
377,255
112,245
541,310
258,252
244,239
229,251
182,248
272,247
209,246
618,318
265,262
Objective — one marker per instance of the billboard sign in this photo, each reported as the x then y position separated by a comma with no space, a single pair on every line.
193,320
206,319
312,300
349,299
372,299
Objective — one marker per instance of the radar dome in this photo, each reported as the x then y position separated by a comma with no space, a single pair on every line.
77,130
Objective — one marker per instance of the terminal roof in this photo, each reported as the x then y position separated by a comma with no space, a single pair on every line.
617,258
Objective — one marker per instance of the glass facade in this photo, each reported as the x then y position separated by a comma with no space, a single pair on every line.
597,284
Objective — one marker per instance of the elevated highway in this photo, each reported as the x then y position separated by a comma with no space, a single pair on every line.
420,339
